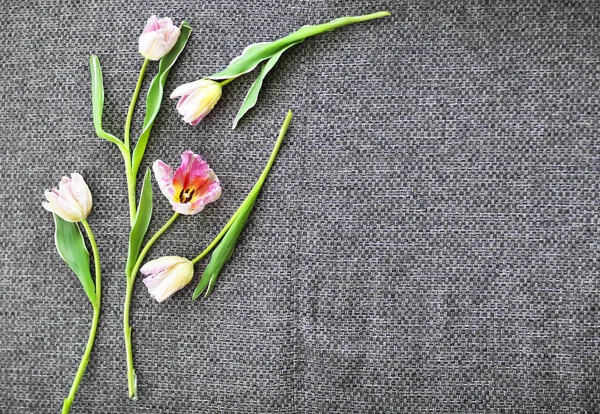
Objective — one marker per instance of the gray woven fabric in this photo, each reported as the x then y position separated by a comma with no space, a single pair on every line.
426,242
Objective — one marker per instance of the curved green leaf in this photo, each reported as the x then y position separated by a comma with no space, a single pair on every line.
256,53
98,101
71,248
252,96
141,223
155,94
224,250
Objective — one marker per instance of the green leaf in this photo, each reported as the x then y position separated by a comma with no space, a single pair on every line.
256,53
155,94
71,248
252,96
141,223
98,101
224,250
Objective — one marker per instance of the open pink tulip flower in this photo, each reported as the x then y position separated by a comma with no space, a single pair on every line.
167,275
197,99
72,201
193,186
158,38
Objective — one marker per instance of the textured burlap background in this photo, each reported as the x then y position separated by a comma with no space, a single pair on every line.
427,240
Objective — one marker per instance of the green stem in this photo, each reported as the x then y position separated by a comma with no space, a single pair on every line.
263,176
88,349
249,59
131,179
148,245
308,31
131,377
254,192
131,187
136,93
217,239
226,81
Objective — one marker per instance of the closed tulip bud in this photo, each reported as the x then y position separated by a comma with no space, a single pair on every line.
72,201
167,275
158,38
197,99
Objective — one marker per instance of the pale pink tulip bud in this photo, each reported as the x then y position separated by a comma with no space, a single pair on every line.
72,201
158,38
197,99
167,275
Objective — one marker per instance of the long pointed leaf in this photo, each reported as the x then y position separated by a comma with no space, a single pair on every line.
98,101
224,250
155,94
141,223
256,53
252,96
71,248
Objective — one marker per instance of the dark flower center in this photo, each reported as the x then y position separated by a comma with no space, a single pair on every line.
186,195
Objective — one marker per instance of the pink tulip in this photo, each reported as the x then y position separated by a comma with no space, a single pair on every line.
72,201
158,38
167,275
197,99
193,186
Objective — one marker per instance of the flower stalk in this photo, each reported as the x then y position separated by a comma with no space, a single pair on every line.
159,41
131,377
228,236
92,336
131,179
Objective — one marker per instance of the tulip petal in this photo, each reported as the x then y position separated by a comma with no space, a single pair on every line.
46,205
158,38
178,277
147,45
197,206
171,38
167,275
204,101
72,201
192,167
160,264
205,184
197,99
196,120
187,208
180,102
63,208
193,182
81,193
152,25
164,176
66,193
188,88
153,281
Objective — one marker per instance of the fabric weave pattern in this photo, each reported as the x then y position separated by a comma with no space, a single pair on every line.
427,240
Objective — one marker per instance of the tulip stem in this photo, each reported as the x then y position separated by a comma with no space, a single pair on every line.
253,192
131,377
226,81
148,245
131,178
131,186
134,98
88,349
217,239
